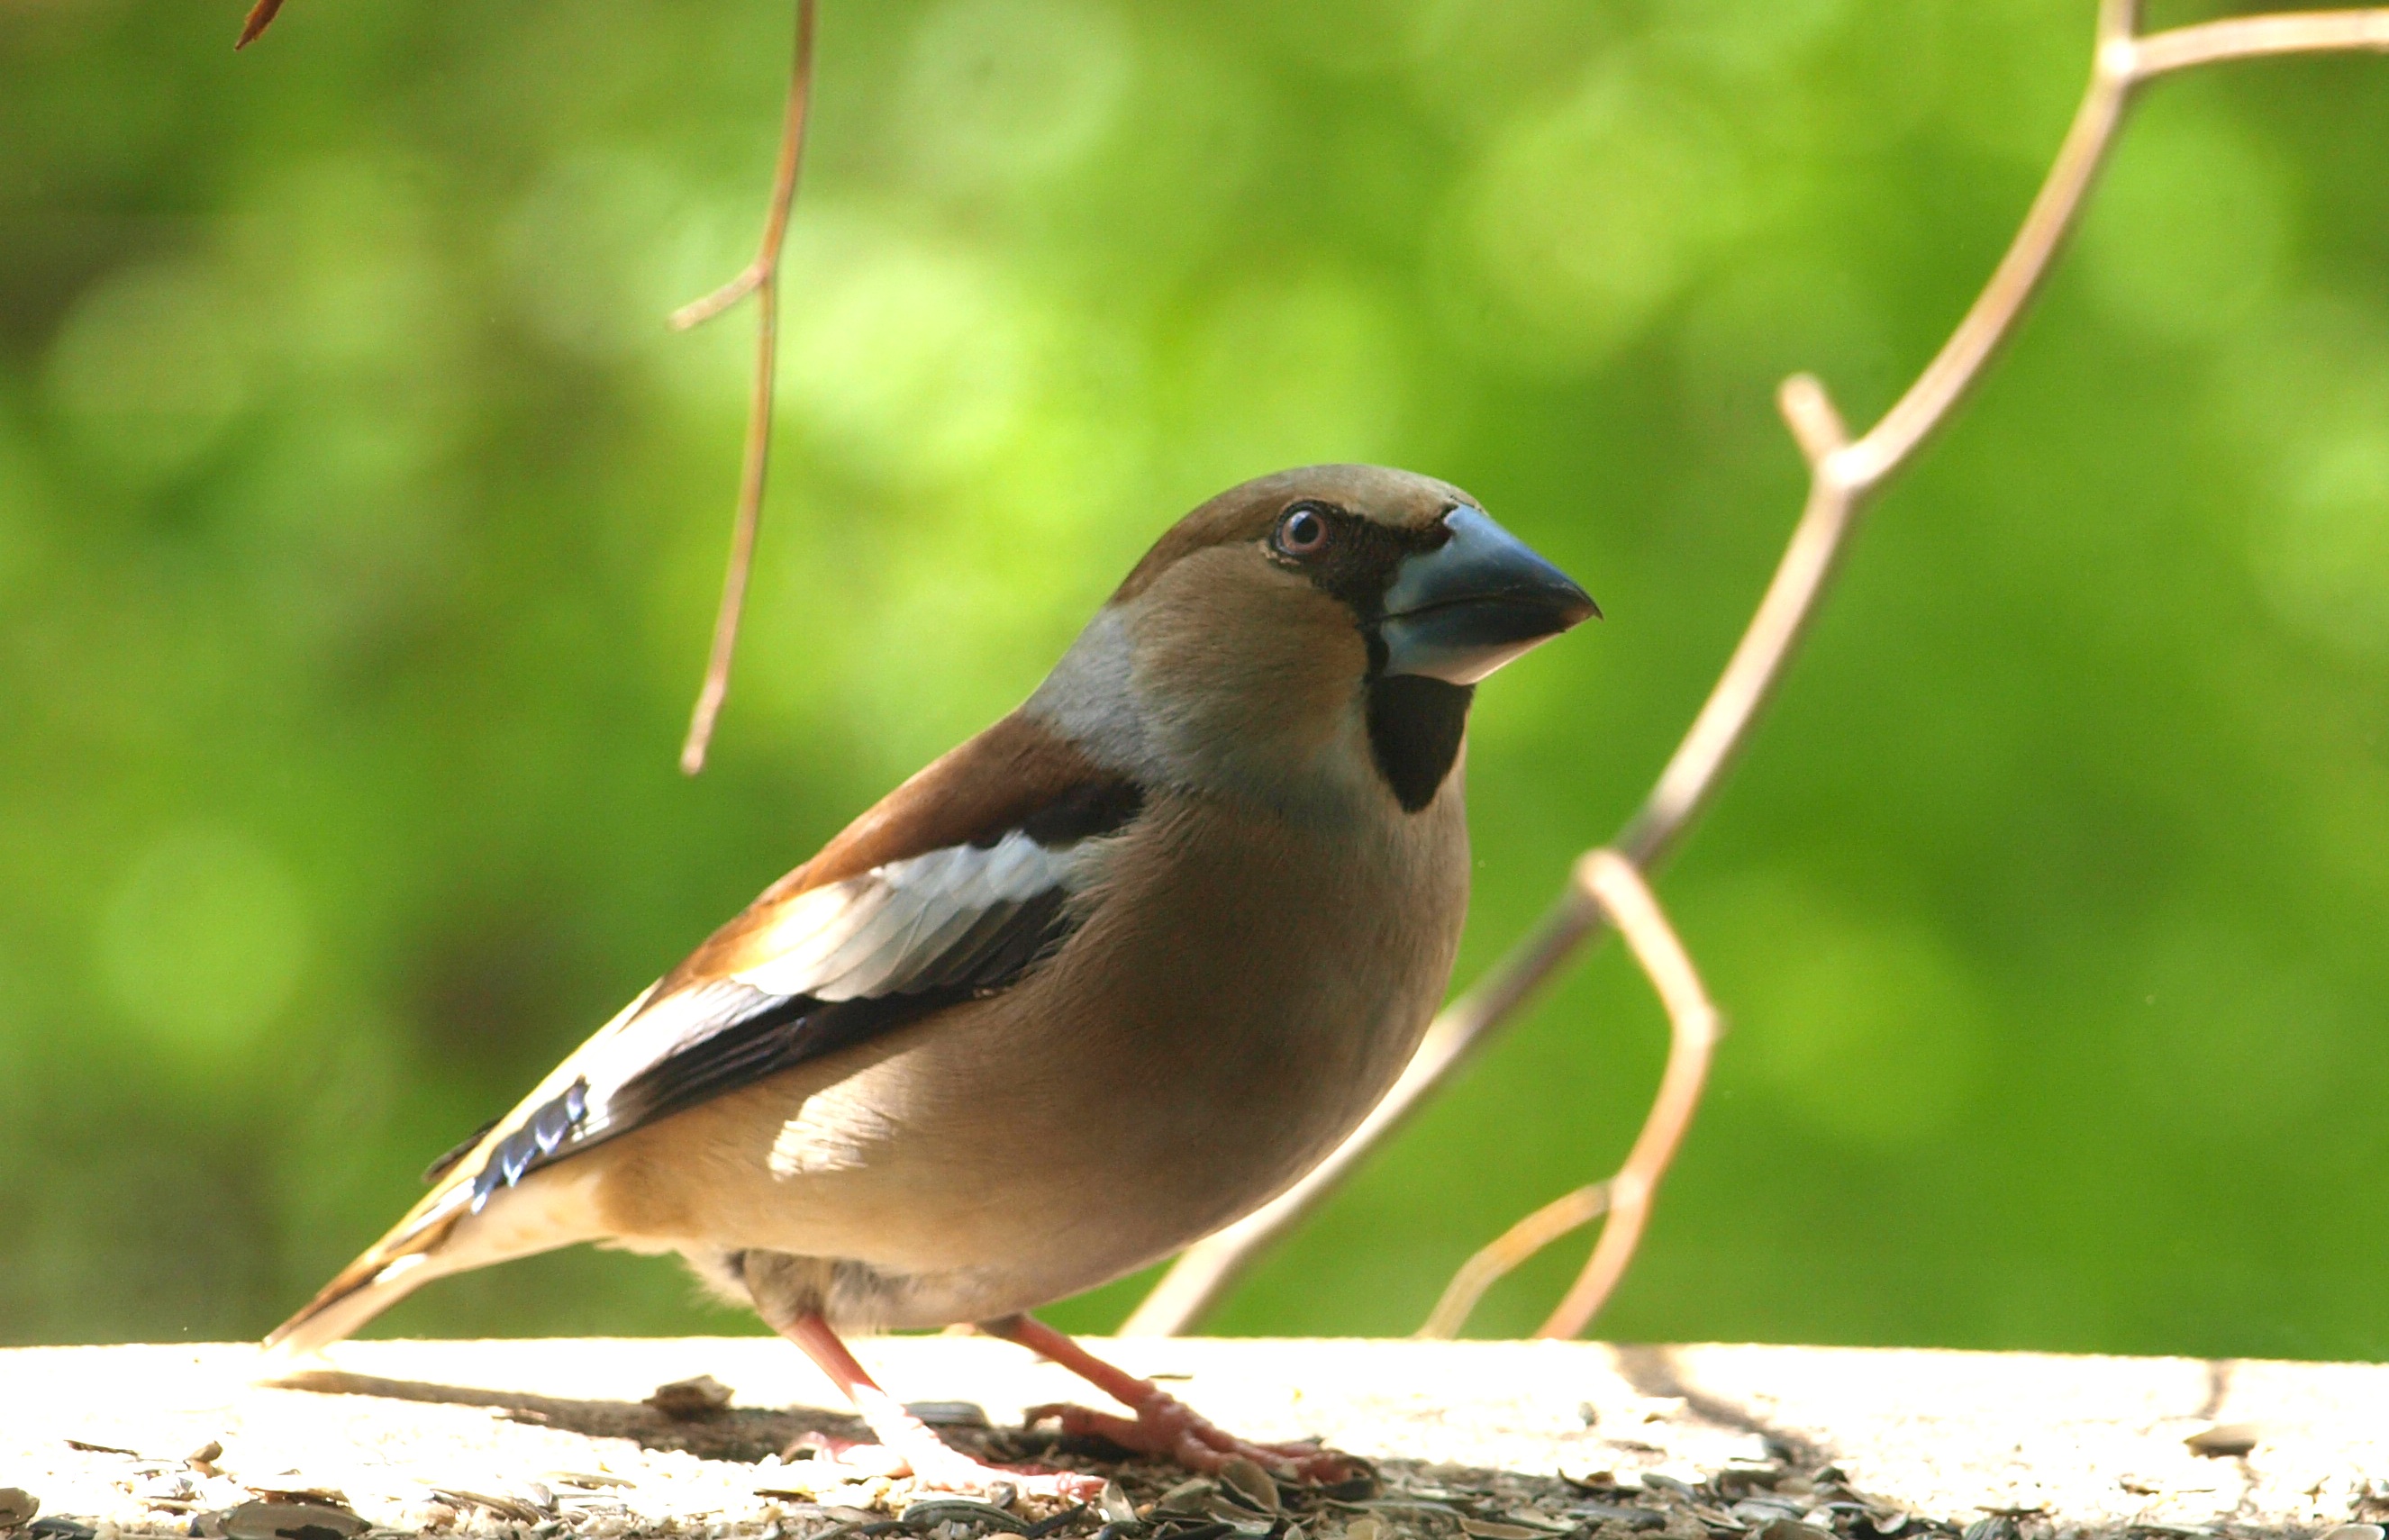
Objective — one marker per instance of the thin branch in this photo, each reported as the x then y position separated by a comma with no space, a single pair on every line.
2259,36
1927,402
1617,883
260,16
1750,674
761,278
1844,477
1551,1222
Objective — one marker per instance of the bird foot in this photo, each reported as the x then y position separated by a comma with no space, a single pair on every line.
931,1463
1170,1429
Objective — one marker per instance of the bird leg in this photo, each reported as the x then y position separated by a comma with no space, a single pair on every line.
1163,1425
913,1442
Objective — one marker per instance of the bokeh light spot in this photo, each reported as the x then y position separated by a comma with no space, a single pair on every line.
1865,1027
2192,230
1009,91
910,360
203,943
1293,373
1583,221
2321,543
149,370
19,513
2231,1036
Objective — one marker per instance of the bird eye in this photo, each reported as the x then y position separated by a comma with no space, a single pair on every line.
1301,532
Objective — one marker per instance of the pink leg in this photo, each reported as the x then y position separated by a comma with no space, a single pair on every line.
913,1441
1163,1425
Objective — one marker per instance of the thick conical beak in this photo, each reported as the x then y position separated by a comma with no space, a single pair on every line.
1481,598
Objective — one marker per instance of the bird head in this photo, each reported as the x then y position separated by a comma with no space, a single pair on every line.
1310,634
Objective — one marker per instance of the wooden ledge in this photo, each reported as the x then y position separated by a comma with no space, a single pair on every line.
558,1432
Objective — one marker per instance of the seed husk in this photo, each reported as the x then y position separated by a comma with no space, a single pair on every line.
691,1400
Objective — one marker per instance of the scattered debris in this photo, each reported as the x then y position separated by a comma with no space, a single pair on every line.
2225,1441
263,1518
203,1458
321,1496
1189,1497
1793,1529
59,1528
692,1400
504,1508
171,1490
931,1511
18,1506
1068,1519
1249,1480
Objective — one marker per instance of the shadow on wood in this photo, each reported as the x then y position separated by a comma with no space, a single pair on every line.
742,1433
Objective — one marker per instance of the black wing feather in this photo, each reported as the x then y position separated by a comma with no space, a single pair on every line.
745,1033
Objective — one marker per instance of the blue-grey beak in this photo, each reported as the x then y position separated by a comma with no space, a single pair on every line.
1481,598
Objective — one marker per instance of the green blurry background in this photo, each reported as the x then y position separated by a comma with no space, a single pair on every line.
360,524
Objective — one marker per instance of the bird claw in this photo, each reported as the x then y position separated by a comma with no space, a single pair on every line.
1167,1427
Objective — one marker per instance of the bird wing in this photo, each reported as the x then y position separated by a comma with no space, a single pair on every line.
953,886
957,884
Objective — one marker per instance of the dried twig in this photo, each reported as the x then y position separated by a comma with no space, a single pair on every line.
260,16
1551,1222
1615,885
1845,475
761,278
1618,887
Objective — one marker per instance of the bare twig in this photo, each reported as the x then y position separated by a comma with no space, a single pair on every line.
2256,36
1551,1222
260,16
1693,1021
1844,477
1615,884
761,278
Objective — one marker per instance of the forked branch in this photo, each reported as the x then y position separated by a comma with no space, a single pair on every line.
1843,477
1615,885
761,279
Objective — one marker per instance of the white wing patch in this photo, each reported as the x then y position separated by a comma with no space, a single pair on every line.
835,1129
965,916
890,927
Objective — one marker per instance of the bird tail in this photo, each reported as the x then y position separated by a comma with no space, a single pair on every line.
466,1221
416,1250
441,1235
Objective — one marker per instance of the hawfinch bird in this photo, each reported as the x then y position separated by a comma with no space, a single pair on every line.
1102,980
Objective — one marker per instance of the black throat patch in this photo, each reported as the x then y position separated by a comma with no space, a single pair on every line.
1416,725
